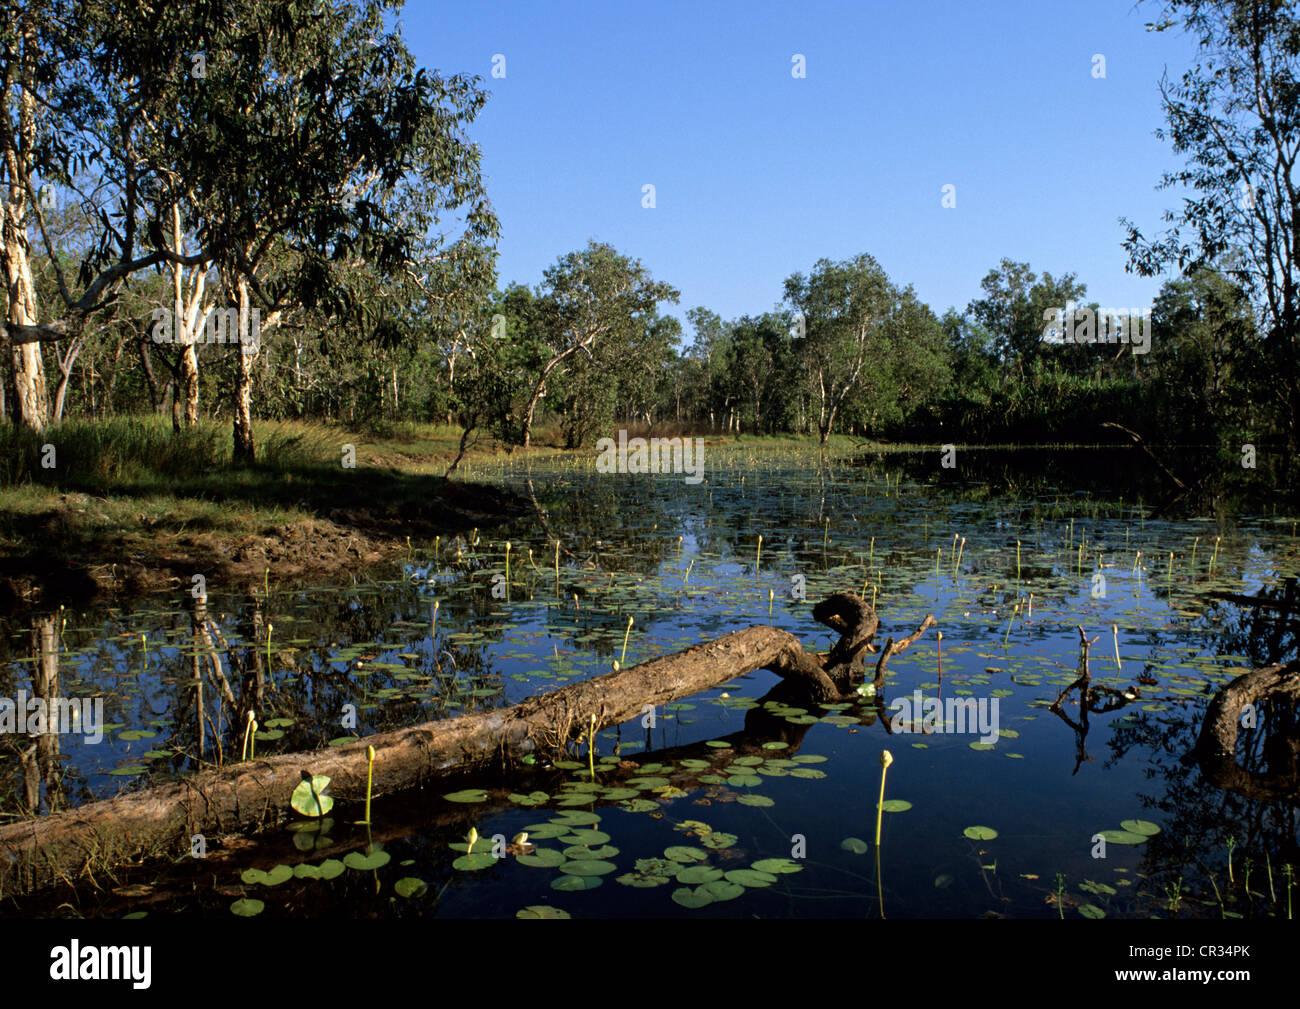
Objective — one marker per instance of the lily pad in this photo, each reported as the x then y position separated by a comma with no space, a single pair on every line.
980,833
855,845
471,863
541,911
692,898
304,802
569,884
751,877
721,889
694,875
895,805
409,886
377,859
542,858
755,800
467,795
1145,827
588,867
683,853
247,907
1124,837
777,865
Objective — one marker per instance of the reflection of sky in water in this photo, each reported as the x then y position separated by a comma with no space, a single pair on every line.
369,645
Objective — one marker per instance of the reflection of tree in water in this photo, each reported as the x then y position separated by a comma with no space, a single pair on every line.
1202,820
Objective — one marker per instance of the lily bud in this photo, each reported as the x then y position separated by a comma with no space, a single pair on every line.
886,758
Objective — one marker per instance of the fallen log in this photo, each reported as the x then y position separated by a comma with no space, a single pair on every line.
246,796
1216,746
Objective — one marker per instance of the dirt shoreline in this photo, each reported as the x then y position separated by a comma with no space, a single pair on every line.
72,552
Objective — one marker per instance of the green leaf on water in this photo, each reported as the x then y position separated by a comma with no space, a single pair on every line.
247,907
467,795
746,780
304,802
130,769
777,865
576,818
721,889
755,800
855,845
588,867
943,881
375,860
1141,827
895,805
471,863
1091,911
541,911
776,744
718,840
541,831
331,868
693,875
684,853
569,884
751,877
1123,837
980,833
692,898
409,886
542,858
639,805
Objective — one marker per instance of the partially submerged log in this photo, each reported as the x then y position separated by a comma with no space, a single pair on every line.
249,795
1216,746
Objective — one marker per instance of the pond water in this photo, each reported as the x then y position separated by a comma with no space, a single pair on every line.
738,809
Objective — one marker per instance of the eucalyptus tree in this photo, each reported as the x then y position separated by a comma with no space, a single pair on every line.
842,306
594,295
1235,116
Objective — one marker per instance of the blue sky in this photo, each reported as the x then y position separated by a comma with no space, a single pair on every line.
758,174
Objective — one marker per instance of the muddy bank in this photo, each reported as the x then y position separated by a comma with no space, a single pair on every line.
77,547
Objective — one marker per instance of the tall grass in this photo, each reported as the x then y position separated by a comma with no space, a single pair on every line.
142,450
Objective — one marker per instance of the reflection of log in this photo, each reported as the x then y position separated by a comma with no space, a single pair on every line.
1216,747
250,794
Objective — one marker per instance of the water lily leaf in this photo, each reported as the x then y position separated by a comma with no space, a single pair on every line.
467,795
718,840
806,772
809,758
683,853
247,907
331,868
755,800
747,780
541,831
617,794
304,802
750,877
777,865
1141,827
721,889
1124,837
776,744
531,799
980,833
305,871
409,886
585,835
692,898
943,881
641,879
582,851
541,911
376,860
472,863
576,818
895,805
693,875
855,845
694,764
1091,911
588,867
639,805
647,783
572,883
542,858
130,769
